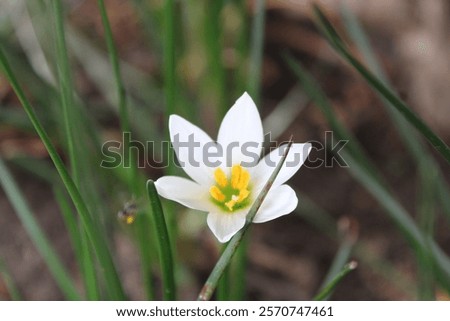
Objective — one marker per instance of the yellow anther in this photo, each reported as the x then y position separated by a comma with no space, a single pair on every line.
244,179
236,171
243,194
216,193
220,177
231,192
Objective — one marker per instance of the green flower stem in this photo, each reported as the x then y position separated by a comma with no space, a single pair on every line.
217,272
378,85
98,242
171,91
164,247
349,237
329,288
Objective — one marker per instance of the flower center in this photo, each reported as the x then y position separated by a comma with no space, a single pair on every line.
231,193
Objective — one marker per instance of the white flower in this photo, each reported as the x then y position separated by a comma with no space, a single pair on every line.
224,182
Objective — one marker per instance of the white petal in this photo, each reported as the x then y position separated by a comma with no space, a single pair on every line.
241,133
225,225
294,160
189,143
185,192
280,200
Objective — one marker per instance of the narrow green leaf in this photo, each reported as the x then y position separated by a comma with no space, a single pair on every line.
341,258
371,179
329,288
338,44
412,141
256,50
80,244
39,239
164,247
224,260
66,88
314,91
100,246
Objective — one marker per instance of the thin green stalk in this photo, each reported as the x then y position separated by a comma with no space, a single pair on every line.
66,87
39,239
223,287
372,181
100,246
412,141
170,84
341,258
239,270
113,56
418,242
214,47
144,239
329,288
130,156
336,41
164,247
256,50
79,243
170,94
427,211
314,91
224,260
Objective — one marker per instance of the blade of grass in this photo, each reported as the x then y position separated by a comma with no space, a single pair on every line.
224,260
129,154
329,288
170,95
223,287
371,180
412,141
342,256
164,247
214,47
313,90
256,50
66,88
99,244
426,213
337,43
397,213
39,239
80,245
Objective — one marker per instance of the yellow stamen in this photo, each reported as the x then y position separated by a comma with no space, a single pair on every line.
231,192
243,194
217,194
236,172
220,177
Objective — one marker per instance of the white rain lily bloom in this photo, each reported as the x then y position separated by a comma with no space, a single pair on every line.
228,175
